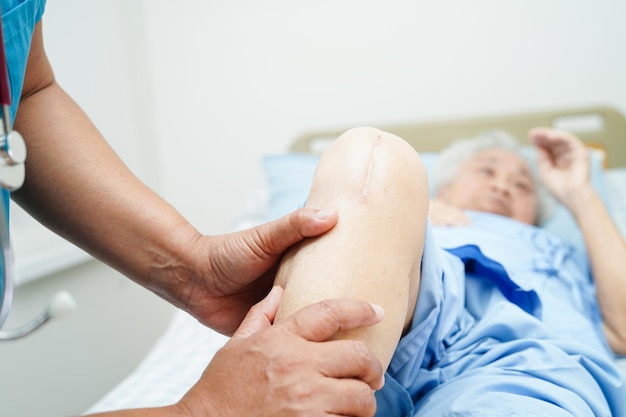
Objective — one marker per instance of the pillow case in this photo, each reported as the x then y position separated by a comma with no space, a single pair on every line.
615,185
561,222
289,177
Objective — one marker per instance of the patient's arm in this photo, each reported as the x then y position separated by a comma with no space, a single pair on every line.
378,185
564,165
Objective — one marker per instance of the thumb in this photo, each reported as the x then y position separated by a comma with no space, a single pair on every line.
261,315
280,234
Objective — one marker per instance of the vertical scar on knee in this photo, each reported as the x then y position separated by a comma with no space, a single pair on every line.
370,168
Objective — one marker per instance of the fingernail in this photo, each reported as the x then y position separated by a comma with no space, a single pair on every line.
380,312
323,214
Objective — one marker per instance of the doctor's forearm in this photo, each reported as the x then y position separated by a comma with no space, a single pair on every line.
77,186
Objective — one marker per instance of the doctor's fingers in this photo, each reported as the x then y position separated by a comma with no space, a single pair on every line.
323,320
277,236
350,359
348,397
261,315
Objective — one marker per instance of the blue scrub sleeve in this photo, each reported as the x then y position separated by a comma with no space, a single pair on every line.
19,18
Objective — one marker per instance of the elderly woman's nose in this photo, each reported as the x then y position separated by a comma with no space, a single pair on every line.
500,183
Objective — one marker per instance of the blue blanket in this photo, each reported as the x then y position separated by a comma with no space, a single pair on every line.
506,325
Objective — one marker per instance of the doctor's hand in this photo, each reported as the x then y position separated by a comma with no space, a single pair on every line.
229,273
292,368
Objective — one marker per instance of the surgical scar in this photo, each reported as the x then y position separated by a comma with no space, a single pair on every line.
370,168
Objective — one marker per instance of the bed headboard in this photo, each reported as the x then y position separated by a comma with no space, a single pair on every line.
599,127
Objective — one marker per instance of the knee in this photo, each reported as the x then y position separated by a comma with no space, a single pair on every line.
372,159
366,139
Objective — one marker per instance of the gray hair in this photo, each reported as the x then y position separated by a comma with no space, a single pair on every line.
458,152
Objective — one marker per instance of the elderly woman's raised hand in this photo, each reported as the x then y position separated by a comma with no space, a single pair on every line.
563,163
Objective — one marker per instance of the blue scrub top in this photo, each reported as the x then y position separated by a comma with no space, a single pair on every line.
19,18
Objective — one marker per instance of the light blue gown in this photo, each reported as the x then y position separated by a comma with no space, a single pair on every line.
506,325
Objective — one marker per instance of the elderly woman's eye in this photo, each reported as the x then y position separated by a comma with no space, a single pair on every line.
523,186
486,171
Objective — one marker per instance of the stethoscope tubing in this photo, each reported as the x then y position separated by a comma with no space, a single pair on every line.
7,266
12,173
11,178
6,254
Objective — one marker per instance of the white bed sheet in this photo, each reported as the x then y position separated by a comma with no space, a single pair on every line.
180,356
172,366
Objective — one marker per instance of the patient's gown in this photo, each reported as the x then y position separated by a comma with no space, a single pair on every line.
506,325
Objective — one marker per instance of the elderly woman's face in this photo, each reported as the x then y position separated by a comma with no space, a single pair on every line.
497,181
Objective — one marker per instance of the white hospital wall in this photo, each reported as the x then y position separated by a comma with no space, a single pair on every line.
192,93
235,80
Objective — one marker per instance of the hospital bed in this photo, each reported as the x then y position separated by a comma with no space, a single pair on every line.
178,358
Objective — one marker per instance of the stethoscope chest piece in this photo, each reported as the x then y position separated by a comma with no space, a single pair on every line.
12,157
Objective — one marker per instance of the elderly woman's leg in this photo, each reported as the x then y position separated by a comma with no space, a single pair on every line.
378,185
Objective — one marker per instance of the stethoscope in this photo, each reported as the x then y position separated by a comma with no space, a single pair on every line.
12,173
